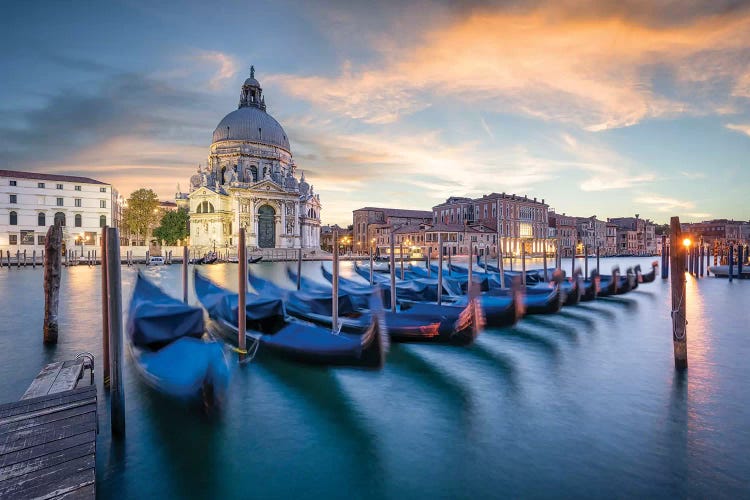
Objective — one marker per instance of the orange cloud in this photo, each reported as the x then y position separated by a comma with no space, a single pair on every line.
597,73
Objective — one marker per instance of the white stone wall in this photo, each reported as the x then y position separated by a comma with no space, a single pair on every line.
32,200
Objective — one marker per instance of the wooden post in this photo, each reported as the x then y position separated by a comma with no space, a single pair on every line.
471,265
586,261
689,253
393,273
372,269
335,285
731,262
52,274
523,263
24,257
450,269
299,269
429,258
664,253
500,265
544,260
739,261
7,254
18,259
665,275
185,262
105,312
242,294
401,257
573,264
679,322
440,269
598,252
33,259
114,296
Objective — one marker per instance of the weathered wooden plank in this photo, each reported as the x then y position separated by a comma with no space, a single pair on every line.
67,377
46,461
48,432
40,386
47,401
61,412
46,448
51,482
84,493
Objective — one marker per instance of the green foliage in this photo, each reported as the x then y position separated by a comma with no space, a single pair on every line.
662,229
141,212
173,227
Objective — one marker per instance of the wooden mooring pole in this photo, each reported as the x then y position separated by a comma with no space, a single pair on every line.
440,270
500,263
544,260
740,258
52,273
242,294
299,269
33,259
471,266
185,262
586,261
428,262
393,273
372,270
679,320
597,259
401,258
523,264
105,312
335,284
114,297
731,262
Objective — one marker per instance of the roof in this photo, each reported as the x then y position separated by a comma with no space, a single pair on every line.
48,177
399,212
251,124
408,228
459,228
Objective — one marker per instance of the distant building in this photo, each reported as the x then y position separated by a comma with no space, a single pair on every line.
643,242
371,223
565,232
718,230
30,202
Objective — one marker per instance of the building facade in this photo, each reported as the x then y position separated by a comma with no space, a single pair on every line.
566,232
31,202
371,223
250,181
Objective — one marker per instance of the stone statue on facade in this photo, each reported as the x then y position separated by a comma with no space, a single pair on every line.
232,176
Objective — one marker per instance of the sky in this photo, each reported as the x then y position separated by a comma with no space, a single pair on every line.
601,107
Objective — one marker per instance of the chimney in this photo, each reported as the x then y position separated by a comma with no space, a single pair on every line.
542,201
535,199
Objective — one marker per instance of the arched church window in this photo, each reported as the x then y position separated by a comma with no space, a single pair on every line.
78,220
199,208
13,219
41,219
210,207
60,219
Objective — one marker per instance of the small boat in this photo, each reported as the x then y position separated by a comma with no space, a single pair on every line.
254,260
210,258
536,300
649,276
155,261
165,337
270,328
591,287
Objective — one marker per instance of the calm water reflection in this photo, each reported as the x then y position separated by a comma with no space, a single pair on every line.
585,402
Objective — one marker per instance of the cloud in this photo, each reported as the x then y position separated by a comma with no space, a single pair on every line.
664,204
226,67
600,70
737,127
693,175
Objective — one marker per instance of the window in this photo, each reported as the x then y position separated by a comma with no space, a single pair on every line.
40,239
13,219
59,202
78,188
78,220
78,202
40,184
102,220
59,186
13,183
102,203
14,198
101,190
60,219
13,239
41,219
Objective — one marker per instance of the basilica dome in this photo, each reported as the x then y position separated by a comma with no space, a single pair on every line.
250,122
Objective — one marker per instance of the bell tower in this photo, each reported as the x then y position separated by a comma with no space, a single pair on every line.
251,94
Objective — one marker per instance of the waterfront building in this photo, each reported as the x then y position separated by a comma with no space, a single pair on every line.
719,230
515,219
370,224
644,229
250,181
592,233
565,231
30,202
610,242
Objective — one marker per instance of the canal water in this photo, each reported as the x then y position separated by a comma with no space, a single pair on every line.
584,403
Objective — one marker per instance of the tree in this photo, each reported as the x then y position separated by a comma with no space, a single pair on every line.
141,212
173,227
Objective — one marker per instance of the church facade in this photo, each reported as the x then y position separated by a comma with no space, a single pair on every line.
250,181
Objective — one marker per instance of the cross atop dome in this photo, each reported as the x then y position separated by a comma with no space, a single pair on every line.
251,94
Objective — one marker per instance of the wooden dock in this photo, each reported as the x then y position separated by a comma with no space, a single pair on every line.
48,438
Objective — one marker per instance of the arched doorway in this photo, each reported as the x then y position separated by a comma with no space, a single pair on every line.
266,227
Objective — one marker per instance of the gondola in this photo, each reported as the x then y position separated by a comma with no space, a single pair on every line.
270,328
591,287
210,258
413,321
613,284
650,276
255,260
536,299
165,340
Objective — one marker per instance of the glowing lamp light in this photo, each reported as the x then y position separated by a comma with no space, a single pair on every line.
686,242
